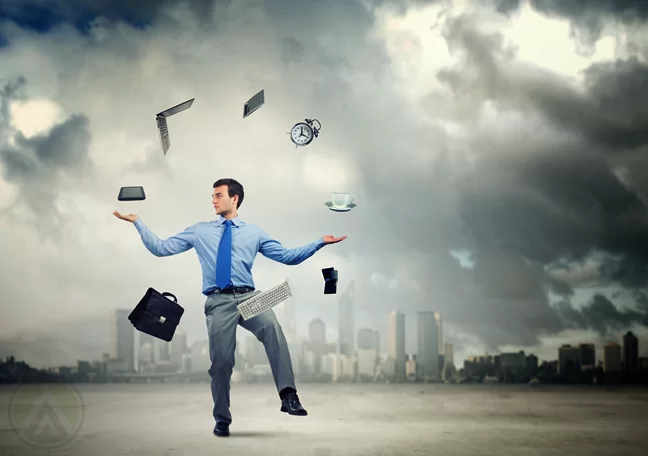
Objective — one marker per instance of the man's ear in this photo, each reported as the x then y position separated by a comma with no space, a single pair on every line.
235,200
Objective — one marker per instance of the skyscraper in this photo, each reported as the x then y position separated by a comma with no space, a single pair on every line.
587,355
568,355
285,312
428,350
630,352
449,369
346,325
437,322
396,342
317,331
612,357
123,338
178,347
448,354
368,339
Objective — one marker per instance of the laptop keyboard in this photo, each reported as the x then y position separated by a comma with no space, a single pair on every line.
264,301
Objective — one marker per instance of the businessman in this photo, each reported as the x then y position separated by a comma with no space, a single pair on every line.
226,249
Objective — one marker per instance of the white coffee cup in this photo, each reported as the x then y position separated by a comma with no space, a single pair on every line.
341,200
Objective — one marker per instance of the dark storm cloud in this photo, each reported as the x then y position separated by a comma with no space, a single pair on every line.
586,16
619,95
551,202
613,113
551,199
38,165
410,212
559,198
602,316
43,14
506,6
401,6
13,90
65,147
512,306
623,9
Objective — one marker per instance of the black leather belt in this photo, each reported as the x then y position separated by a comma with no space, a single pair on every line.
235,290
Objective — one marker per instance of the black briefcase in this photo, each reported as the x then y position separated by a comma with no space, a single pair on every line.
157,315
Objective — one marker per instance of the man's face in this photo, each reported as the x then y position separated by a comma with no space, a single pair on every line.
222,202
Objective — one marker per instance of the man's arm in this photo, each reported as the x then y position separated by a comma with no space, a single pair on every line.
273,249
179,243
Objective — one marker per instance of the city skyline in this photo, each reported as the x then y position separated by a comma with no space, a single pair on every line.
138,355
302,335
433,358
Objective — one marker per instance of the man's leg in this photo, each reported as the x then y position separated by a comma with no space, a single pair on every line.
268,331
222,318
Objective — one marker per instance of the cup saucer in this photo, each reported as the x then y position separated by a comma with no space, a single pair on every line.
339,209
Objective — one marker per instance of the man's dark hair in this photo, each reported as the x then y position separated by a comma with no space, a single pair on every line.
233,188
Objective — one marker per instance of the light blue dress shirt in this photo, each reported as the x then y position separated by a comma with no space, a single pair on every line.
247,241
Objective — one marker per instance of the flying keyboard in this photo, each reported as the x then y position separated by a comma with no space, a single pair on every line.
264,301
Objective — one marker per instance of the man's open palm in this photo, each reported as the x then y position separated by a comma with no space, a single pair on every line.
127,217
332,240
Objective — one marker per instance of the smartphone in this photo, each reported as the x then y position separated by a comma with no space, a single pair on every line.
131,194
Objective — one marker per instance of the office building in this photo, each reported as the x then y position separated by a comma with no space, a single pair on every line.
396,342
123,339
368,339
568,355
177,348
367,362
428,350
286,315
612,357
587,355
317,331
411,370
630,352
346,331
511,362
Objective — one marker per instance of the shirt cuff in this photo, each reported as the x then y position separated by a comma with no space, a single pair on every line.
138,223
319,244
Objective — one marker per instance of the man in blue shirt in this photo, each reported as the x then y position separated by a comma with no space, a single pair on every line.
226,248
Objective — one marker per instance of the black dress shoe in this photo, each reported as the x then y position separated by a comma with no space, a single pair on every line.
291,405
222,430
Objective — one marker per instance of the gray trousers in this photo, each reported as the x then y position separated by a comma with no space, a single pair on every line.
222,321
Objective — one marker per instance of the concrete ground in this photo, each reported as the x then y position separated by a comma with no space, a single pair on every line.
371,419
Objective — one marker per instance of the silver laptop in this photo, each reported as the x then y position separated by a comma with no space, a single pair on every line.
163,128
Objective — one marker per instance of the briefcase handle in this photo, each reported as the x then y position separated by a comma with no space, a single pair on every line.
171,295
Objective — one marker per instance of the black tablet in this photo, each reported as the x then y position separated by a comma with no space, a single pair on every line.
131,194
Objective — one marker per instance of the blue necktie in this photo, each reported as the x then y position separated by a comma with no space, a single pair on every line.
224,259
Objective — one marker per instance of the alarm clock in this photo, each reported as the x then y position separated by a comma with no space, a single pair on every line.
302,133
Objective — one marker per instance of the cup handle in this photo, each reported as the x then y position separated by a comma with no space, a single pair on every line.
352,198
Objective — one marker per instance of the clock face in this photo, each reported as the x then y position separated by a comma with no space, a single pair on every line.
301,134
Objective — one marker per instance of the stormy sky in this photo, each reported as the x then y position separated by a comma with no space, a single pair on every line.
497,151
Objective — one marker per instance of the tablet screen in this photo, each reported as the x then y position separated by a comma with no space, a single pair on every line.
131,194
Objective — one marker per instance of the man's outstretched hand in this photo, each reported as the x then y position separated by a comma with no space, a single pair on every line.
128,217
332,240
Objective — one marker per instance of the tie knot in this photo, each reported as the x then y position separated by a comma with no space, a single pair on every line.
228,223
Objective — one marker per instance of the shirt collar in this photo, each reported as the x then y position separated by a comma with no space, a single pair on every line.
220,220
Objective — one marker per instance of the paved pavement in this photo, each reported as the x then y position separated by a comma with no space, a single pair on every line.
371,419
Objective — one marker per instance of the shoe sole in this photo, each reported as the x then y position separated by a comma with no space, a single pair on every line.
220,434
